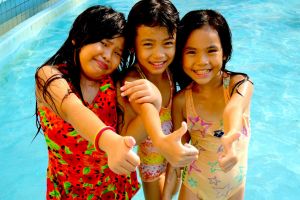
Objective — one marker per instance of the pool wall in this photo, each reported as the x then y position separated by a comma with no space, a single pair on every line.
13,12
13,39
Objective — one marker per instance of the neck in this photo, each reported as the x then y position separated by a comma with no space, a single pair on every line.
154,78
210,87
86,82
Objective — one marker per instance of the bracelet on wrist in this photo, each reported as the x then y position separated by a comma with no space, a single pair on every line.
99,134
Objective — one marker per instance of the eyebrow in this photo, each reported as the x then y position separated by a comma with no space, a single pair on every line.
150,40
209,47
110,42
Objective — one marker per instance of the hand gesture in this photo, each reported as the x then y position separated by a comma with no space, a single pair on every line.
228,158
121,158
177,154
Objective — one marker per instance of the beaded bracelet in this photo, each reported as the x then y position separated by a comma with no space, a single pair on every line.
99,135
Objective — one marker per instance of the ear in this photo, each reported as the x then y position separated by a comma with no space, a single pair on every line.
73,42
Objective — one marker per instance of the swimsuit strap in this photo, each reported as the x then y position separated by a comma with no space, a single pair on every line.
138,69
226,82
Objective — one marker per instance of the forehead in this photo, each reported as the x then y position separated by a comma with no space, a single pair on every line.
153,33
117,41
204,36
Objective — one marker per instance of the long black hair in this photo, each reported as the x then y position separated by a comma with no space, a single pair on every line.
91,26
195,20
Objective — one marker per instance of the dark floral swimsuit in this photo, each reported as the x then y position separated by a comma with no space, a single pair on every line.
75,169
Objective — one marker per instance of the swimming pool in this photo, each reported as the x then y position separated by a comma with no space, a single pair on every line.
266,38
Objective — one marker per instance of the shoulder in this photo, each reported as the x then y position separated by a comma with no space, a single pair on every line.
47,71
239,80
132,75
179,99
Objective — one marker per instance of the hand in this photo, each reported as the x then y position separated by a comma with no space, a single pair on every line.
142,91
177,154
121,158
228,158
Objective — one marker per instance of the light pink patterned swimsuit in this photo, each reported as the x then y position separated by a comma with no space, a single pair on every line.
153,164
204,177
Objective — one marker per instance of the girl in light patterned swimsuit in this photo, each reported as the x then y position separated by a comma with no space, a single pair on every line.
152,27
216,104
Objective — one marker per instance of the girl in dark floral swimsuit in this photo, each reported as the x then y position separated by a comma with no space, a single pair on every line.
77,111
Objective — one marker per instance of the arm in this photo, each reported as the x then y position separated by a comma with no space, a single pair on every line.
173,174
232,118
129,123
170,146
121,159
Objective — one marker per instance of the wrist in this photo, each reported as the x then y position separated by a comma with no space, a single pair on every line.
100,138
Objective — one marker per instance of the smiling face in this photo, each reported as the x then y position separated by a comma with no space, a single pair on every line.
202,56
154,49
101,58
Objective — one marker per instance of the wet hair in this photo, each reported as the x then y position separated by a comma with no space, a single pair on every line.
150,13
195,20
92,25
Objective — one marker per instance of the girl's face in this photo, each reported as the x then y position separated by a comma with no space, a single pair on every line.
101,58
202,55
154,48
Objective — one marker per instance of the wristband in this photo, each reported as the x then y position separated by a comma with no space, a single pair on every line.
99,135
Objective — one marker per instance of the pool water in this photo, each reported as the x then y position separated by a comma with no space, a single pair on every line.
266,38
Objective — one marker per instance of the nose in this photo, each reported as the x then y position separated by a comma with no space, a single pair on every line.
203,59
159,52
107,54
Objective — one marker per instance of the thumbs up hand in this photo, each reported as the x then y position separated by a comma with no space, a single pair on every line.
177,154
228,158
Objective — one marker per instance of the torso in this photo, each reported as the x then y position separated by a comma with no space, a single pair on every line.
204,177
75,168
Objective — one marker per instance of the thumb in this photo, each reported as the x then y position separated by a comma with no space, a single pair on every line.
129,141
181,131
233,137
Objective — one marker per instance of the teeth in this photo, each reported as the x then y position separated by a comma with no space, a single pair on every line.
158,63
201,72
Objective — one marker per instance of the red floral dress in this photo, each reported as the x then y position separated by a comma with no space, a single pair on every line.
75,169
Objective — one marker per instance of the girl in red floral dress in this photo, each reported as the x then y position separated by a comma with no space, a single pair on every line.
77,111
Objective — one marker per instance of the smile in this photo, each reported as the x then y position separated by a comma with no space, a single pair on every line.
101,65
158,65
202,73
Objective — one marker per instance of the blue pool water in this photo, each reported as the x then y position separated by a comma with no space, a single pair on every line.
266,38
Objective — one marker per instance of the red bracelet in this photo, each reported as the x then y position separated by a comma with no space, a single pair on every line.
99,135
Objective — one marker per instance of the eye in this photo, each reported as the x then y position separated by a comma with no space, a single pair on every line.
190,52
147,44
212,50
104,43
118,53
169,43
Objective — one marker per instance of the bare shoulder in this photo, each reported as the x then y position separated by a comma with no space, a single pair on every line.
241,84
45,72
132,75
179,99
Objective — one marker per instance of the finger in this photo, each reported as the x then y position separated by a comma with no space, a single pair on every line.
128,90
138,94
181,131
133,158
120,170
228,141
129,141
138,82
145,99
128,166
190,150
